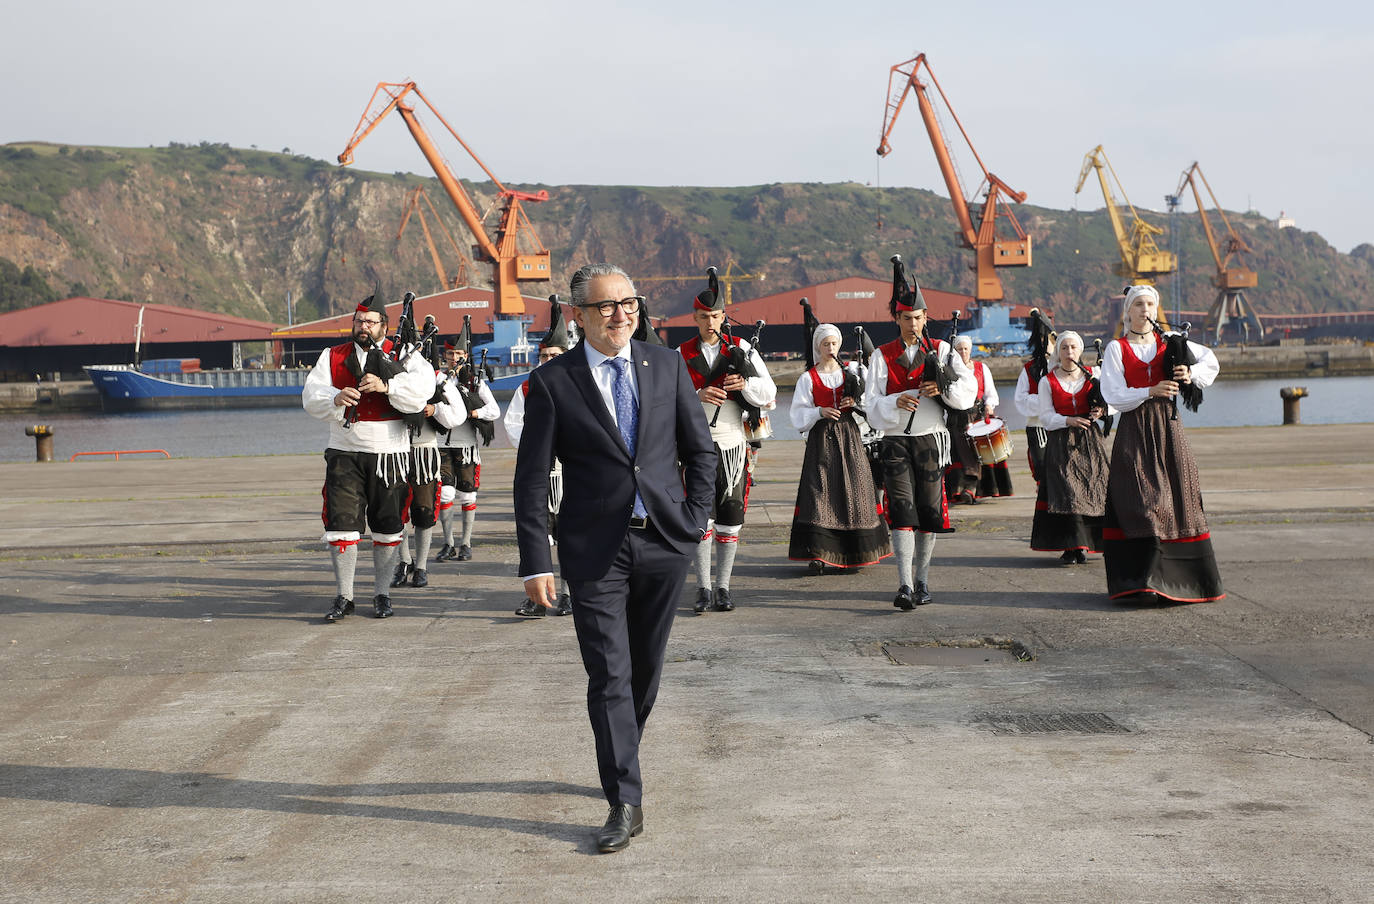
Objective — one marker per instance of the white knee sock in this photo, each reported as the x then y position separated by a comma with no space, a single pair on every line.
405,546
725,563
703,563
446,522
903,546
469,515
423,540
925,548
384,559
345,562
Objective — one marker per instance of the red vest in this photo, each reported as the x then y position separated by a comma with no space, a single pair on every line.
525,389
1139,374
1069,404
978,372
823,395
1033,383
696,362
373,406
900,379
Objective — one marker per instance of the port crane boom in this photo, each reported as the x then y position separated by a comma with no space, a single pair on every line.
726,279
510,264
1232,276
977,231
1142,261
412,206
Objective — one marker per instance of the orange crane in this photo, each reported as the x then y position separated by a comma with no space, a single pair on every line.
511,263
990,251
727,279
1232,276
413,199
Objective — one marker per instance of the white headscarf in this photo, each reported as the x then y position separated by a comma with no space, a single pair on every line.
1064,335
825,329
963,340
1132,294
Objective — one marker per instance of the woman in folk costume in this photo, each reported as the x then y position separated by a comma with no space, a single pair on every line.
1028,385
967,479
907,378
835,522
1073,482
556,341
1155,538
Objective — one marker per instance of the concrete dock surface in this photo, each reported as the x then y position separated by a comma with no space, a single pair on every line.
177,723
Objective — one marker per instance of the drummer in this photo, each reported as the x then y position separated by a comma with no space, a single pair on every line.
968,478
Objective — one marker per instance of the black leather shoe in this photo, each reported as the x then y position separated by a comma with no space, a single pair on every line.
564,605
703,600
342,606
623,822
402,574
904,600
1080,557
723,601
419,577
381,606
922,594
816,566
530,609
1068,557
464,553
445,553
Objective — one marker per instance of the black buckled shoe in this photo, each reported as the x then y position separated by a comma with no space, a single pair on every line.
530,609
623,822
904,600
419,578
703,600
464,553
446,553
564,605
723,602
402,574
922,594
381,606
342,606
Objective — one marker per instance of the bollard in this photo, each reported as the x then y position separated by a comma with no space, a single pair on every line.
1292,403
42,436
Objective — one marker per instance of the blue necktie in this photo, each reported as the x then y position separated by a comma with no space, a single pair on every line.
626,416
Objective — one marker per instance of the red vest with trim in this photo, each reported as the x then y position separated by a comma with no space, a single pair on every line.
373,406
696,361
1069,404
899,379
823,395
978,371
1033,383
1141,374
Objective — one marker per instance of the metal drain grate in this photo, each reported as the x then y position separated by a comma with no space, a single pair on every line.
1036,723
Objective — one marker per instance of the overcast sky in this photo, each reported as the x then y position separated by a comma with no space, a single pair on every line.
1267,96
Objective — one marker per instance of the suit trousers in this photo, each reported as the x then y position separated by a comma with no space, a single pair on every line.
622,621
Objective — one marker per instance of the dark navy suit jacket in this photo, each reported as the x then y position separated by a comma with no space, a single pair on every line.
566,417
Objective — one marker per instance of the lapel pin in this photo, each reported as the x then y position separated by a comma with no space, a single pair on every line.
645,363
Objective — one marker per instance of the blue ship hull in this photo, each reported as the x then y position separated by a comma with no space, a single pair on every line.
123,388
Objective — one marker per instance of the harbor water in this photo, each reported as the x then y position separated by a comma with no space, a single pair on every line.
290,431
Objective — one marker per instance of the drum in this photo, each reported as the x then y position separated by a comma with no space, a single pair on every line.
763,431
991,440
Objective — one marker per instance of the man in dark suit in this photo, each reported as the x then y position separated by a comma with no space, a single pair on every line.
620,414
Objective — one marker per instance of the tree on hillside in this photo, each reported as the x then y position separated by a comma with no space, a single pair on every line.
22,288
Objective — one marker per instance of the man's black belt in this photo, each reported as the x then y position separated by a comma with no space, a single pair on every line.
639,523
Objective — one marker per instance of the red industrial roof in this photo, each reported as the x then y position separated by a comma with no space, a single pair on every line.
854,299
104,321
448,309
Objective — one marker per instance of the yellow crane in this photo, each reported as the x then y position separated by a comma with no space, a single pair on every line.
1142,261
727,279
412,206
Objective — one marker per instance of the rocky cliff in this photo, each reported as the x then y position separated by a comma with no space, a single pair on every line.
234,230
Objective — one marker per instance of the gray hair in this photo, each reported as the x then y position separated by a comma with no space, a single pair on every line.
577,286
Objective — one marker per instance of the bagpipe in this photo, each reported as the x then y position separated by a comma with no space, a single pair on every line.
809,324
1176,352
1095,397
389,364
734,360
470,378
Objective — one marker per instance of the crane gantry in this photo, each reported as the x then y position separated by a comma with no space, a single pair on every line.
727,279
412,207
511,264
1232,276
990,252
1142,261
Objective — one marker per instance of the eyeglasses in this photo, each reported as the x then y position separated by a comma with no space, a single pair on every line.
367,320
607,308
